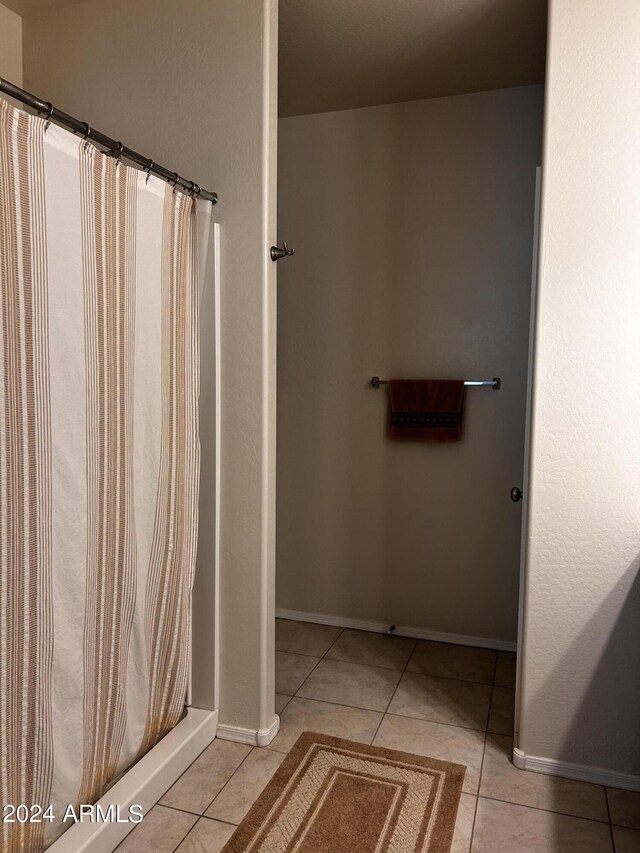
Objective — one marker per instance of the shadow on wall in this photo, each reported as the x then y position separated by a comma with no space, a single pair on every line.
603,663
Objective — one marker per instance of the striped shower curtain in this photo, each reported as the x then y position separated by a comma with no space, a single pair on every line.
99,466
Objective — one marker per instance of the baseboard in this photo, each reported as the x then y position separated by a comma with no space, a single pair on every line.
595,775
400,630
143,784
254,737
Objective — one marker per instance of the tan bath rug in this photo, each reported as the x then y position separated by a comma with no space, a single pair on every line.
336,796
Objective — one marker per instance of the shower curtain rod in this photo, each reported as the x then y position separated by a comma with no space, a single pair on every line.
114,147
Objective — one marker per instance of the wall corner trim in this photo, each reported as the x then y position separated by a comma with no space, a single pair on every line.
254,737
400,630
580,772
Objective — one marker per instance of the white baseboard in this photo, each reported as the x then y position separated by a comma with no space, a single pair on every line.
595,775
400,631
254,737
143,784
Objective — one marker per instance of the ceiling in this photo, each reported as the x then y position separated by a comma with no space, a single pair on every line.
341,54
24,7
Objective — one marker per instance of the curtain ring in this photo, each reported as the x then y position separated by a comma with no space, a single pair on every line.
148,169
87,134
196,189
174,180
47,117
118,156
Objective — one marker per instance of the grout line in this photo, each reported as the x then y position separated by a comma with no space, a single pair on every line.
395,690
452,678
393,714
298,654
226,822
334,642
359,663
475,811
339,704
289,698
312,671
176,809
547,811
613,837
435,722
177,849
195,823
484,750
493,687
159,802
227,782
406,671
273,749
495,672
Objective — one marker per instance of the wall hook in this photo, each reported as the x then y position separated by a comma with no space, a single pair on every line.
284,252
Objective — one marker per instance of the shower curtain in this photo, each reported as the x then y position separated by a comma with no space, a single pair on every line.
99,466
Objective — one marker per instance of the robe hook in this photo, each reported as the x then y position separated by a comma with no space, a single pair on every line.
285,252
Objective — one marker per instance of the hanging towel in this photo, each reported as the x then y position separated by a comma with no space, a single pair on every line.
426,409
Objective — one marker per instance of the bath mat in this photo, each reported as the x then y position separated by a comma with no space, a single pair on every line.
332,795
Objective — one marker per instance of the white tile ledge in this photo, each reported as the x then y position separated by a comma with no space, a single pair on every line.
144,783
579,772
254,737
400,631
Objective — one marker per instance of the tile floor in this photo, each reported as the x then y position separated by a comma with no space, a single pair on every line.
449,702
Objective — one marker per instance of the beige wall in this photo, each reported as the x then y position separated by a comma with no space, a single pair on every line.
192,85
10,45
581,673
413,229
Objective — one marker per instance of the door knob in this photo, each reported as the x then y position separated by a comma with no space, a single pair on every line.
284,252
516,494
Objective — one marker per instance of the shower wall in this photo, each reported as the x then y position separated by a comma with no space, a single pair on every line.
413,229
10,45
186,83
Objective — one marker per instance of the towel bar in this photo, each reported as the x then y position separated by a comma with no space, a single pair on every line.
494,383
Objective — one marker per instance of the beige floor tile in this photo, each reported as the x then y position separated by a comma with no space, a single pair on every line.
502,781
624,807
204,779
447,743
302,715
304,638
442,700
352,684
160,831
627,840
507,828
372,649
291,671
281,702
506,670
207,836
465,663
464,824
245,786
502,711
